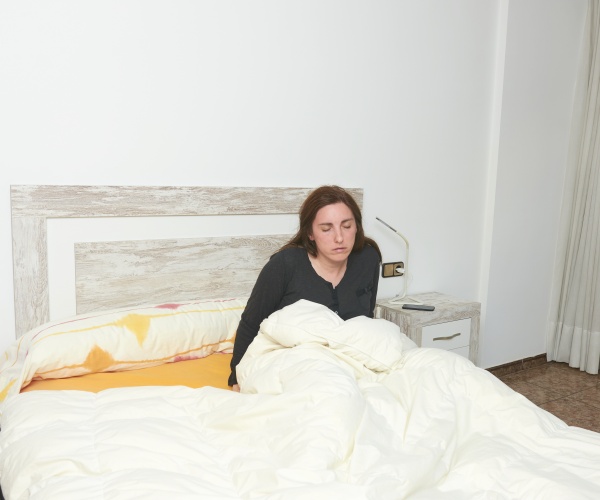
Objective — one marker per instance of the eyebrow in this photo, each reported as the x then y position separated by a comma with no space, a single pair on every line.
351,219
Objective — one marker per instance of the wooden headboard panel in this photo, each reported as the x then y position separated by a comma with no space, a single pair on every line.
126,273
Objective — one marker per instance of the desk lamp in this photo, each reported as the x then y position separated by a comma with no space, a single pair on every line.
401,298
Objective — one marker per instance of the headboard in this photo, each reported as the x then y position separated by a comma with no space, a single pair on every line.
135,272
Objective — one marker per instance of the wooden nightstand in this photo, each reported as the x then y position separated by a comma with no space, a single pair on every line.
453,325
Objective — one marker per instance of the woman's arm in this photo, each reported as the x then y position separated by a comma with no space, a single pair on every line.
377,266
265,299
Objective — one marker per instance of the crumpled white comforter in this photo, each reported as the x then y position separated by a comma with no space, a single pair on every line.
329,410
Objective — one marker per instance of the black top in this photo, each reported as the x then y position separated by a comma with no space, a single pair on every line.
289,277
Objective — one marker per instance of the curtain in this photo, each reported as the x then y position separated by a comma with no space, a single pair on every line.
574,323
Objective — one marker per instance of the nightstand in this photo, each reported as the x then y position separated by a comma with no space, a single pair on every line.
452,326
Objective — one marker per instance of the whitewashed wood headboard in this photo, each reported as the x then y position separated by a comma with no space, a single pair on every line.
135,272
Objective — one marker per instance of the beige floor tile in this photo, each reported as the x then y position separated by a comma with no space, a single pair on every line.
590,397
575,412
566,392
561,380
534,393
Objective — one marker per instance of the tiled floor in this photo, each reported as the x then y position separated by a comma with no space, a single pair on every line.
568,393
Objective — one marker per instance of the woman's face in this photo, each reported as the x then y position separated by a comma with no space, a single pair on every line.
334,232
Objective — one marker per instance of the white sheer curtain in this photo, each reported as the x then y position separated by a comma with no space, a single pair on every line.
574,326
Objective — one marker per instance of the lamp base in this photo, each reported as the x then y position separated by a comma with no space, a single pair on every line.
399,300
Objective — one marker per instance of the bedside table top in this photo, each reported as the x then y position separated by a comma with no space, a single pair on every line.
447,308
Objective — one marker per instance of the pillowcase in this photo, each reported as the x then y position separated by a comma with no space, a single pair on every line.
123,339
376,343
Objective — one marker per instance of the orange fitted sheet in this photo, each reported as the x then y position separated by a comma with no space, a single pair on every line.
211,371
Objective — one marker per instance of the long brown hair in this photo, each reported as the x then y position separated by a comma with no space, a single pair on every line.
315,201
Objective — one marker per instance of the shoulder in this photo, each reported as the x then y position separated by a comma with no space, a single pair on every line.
283,265
290,254
367,254
288,257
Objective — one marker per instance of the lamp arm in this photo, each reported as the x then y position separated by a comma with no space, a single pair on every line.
398,297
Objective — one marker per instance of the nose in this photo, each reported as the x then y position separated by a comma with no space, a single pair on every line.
338,236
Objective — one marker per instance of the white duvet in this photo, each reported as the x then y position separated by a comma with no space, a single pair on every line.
329,410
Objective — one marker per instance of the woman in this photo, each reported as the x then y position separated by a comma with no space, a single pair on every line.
329,261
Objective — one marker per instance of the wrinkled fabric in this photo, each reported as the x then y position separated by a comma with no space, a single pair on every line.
313,422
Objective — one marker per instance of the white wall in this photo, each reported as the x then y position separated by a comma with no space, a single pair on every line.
542,43
397,97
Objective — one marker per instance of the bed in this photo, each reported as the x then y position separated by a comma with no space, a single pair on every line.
127,397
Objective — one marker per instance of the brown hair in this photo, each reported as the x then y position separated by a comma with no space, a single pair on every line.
317,199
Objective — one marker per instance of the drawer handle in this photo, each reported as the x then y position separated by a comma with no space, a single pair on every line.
449,337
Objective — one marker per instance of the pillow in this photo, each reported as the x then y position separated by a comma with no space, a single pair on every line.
376,343
121,339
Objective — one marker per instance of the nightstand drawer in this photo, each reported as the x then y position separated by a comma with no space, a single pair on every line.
453,325
450,335
461,351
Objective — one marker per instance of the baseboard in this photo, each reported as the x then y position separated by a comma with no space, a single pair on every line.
517,366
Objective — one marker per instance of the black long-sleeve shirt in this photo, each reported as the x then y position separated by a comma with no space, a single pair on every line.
289,276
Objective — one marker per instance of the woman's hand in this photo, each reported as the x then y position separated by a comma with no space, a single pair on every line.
235,387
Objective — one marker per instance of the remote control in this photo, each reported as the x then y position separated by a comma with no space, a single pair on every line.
418,307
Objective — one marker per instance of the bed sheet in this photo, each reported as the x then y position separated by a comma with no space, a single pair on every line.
212,371
329,409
